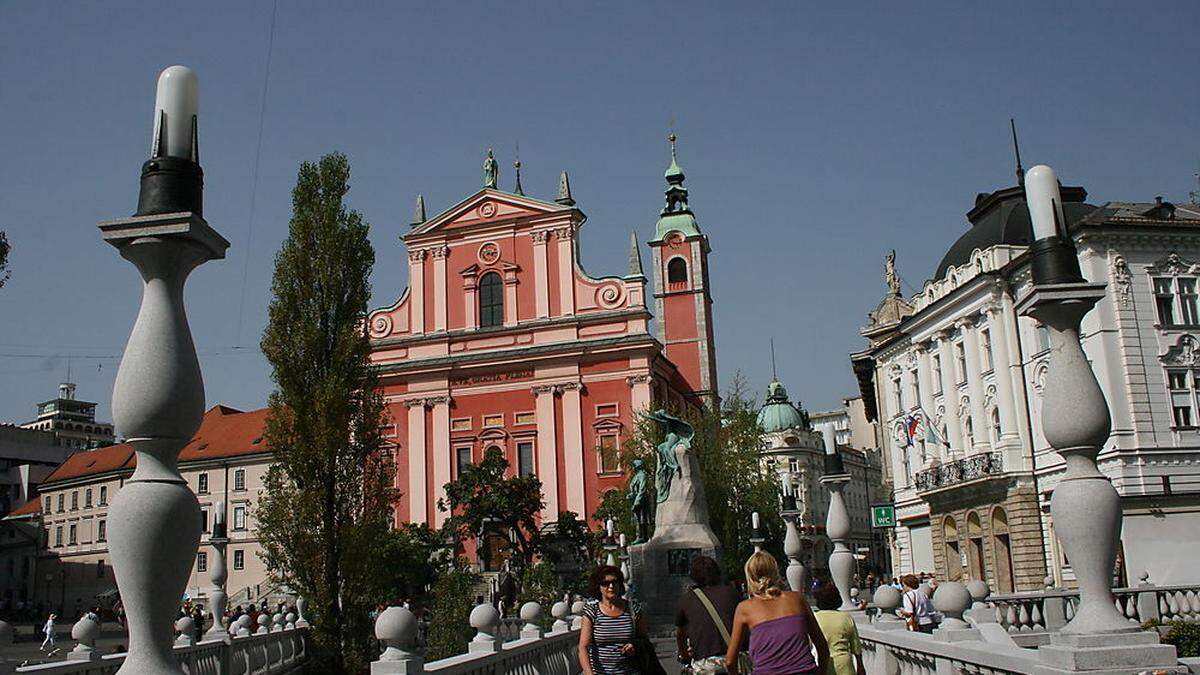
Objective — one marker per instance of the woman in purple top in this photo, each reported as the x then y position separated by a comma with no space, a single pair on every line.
781,625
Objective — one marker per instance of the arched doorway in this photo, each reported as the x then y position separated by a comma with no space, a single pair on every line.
1002,550
953,552
975,546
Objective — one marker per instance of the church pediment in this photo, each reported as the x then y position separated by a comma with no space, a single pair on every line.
487,205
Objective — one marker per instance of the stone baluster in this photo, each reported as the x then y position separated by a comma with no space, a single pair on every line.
792,546
577,614
84,633
217,574
561,612
158,397
531,613
485,620
837,522
186,628
276,622
264,621
290,620
980,612
301,605
396,628
1085,507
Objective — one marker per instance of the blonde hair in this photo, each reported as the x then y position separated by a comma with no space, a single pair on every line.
762,576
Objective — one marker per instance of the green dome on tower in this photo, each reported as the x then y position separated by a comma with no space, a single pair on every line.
778,413
676,216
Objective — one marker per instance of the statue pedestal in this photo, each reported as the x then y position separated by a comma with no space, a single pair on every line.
660,566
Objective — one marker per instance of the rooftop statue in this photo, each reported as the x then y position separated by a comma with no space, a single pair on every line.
491,171
889,273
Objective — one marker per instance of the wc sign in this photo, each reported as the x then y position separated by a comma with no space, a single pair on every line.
883,515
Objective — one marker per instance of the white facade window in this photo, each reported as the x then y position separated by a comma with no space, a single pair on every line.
1183,388
87,498
239,559
1182,415
74,500
1187,302
239,479
1175,301
916,390
239,517
898,401
960,362
525,458
48,509
101,530
72,535
103,495
937,374
58,536
202,562
985,346
202,483
1164,301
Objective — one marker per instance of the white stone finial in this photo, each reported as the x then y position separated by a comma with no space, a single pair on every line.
531,613
290,620
264,622
561,612
187,631
887,599
301,605
396,628
484,619
84,633
952,599
978,589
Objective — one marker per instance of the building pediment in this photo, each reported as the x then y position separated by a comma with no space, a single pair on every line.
1183,353
486,206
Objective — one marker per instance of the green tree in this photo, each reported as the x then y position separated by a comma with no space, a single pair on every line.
323,515
450,629
484,501
407,562
5,248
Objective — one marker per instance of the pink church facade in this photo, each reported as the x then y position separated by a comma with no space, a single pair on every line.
502,340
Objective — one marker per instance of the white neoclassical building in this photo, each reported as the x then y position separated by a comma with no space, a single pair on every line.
954,377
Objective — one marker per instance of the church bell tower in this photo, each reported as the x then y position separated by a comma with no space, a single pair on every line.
682,302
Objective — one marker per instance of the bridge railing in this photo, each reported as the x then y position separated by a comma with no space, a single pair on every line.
1048,610
533,650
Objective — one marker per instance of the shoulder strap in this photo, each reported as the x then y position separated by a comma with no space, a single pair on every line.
712,612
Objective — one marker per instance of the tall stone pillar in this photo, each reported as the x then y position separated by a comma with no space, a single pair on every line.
566,270
441,454
979,421
573,447
418,503
439,287
416,291
925,382
541,273
1005,400
949,391
547,450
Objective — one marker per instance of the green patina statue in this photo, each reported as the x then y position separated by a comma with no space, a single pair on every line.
675,432
491,171
639,501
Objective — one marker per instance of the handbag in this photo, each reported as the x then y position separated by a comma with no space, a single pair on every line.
744,664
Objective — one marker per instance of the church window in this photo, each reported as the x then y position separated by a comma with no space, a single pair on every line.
677,271
525,458
491,300
610,458
462,458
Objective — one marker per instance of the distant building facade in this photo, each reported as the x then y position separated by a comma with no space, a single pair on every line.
72,421
224,463
954,378
793,446
503,341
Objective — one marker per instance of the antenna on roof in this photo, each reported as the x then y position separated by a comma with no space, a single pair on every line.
1017,149
773,375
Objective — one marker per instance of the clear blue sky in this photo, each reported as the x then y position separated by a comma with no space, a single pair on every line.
815,139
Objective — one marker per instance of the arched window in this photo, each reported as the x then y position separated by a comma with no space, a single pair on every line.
996,431
953,553
677,271
975,545
1002,550
491,300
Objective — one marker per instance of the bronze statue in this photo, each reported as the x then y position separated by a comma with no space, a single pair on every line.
639,501
491,171
675,432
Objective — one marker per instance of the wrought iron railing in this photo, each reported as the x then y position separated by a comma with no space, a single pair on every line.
960,471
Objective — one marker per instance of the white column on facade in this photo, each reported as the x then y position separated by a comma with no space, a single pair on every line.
547,450
470,303
439,287
979,420
925,383
541,273
417,498
949,391
510,298
566,271
441,453
639,398
573,446
1005,401
416,291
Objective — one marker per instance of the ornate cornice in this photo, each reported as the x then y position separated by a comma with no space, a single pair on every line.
440,252
539,236
637,379
417,255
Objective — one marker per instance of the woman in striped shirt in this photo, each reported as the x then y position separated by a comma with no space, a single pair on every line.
610,625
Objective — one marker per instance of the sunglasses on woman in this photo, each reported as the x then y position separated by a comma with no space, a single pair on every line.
610,583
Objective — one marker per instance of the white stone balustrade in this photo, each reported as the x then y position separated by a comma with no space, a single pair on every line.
533,652
248,655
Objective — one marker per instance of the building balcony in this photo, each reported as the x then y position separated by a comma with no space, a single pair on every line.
960,471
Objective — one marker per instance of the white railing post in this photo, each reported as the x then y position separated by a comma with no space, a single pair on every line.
887,599
84,633
396,628
485,620
561,613
187,631
531,613
577,614
290,620
952,599
263,622
301,605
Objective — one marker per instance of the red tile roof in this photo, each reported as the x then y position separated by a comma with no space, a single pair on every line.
224,432
28,509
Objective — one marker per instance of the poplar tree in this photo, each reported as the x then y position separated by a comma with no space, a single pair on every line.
323,514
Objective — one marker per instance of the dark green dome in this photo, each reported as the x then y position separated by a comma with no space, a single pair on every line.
778,413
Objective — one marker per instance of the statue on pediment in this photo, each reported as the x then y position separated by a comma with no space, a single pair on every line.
491,171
